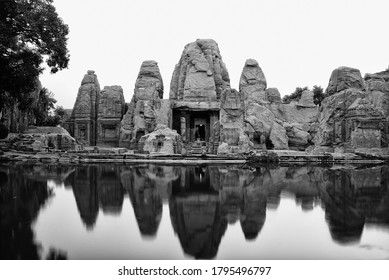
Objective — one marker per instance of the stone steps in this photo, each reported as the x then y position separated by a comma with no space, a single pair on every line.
197,147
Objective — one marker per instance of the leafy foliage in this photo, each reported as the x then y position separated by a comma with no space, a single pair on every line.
295,96
44,105
30,32
318,95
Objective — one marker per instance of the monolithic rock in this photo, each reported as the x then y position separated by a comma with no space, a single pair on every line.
162,140
85,110
252,82
200,75
110,111
141,116
332,112
298,139
344,78
232,136
353,117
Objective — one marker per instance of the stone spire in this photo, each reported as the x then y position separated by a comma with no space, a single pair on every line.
201,74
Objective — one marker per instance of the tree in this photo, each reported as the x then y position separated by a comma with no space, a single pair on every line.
318,94
45,104
31,31
295,96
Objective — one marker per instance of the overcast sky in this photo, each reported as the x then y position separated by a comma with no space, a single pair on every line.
296,42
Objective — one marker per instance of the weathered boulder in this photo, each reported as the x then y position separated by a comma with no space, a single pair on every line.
273,95
141,116
42,138
252,82
110,112
279,137
306,100
298,139
201,74
344,78
162,140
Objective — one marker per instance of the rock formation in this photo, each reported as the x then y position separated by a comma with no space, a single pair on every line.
232,137
42,138
349,118
84,115
344,78
273,95
146,108
204,115
199,80
377,86
110,111
200,75
252,83
162,140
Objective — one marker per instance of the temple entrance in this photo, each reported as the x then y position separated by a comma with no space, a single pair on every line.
199,132
196,128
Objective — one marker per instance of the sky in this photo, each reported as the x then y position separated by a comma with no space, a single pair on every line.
297,43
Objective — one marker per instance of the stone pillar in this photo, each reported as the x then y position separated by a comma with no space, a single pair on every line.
183,128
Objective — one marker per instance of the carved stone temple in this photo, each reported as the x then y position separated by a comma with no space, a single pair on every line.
205,115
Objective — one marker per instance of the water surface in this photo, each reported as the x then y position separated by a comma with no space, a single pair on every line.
146,211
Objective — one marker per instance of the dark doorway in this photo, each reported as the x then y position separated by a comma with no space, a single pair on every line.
200,132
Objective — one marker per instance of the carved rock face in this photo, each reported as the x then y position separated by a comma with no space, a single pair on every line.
162,140
88,94
354,116
85,110
145,105
378,90
343,78
200,75
253,82
232,136
111,103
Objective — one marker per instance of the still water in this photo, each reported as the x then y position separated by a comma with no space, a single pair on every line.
146,211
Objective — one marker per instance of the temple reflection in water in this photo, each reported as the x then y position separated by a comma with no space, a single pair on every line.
203,201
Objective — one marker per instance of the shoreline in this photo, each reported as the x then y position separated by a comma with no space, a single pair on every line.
119,156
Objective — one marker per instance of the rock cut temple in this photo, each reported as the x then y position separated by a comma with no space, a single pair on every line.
205,115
